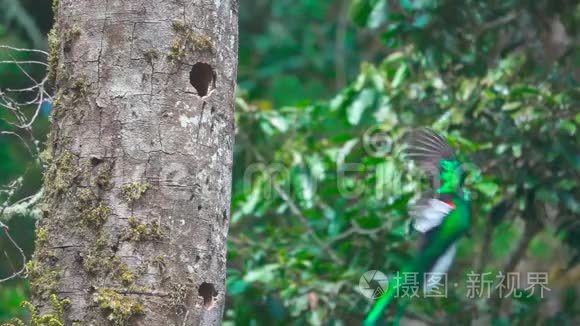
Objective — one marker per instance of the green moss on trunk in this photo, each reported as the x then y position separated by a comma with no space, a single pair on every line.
186,41
119,307
134,191
138,231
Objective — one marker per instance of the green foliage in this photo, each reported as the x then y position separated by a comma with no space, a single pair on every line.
55,318
360,217
296,51
318,200
11,297
321,193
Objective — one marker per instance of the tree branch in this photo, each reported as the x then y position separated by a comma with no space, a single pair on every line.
532,227
22,207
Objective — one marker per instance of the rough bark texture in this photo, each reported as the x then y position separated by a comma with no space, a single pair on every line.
139,162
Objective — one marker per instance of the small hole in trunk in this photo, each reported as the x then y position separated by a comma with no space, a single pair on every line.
208,292
202,78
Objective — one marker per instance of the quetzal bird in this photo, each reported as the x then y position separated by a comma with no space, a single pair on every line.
441,217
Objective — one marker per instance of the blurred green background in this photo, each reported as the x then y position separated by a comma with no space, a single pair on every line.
326,91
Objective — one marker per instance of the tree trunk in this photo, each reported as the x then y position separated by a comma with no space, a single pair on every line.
137,186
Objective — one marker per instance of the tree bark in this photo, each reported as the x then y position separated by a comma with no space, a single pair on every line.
137,187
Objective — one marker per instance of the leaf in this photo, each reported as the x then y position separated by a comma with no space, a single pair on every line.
570,202
394,57
388,182
252,200
386,115
369,222
242,104
279,122
266,127
377,79
264,274
400,231
360,11
378,15
338,101
407,5
467,88
400,75
316,166
299,305
510,106
305,188
361,80
487,187
422,21
360,104
345,150
566,184
568,126
547,195
523,90
517,150
390,36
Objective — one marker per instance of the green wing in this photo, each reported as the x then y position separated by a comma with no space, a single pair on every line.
432,154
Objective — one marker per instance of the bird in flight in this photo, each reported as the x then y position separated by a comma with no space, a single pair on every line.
442,217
